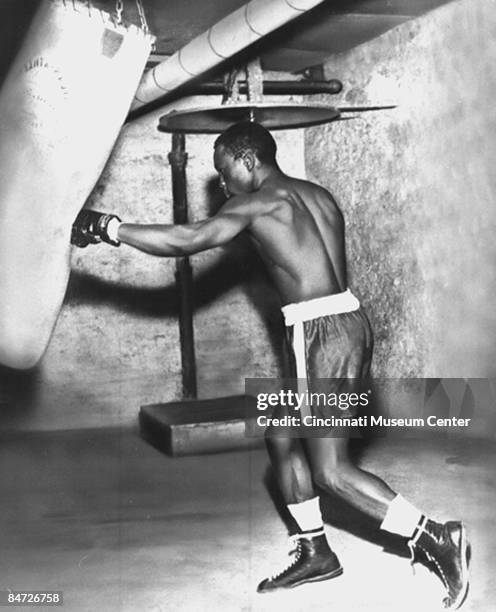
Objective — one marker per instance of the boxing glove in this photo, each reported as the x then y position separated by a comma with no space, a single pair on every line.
92,227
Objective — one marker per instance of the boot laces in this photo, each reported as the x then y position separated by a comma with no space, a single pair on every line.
297,554
413,544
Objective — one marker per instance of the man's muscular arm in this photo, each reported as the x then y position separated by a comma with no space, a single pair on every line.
166,240
179,240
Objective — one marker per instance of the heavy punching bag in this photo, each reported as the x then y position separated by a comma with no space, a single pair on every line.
61,108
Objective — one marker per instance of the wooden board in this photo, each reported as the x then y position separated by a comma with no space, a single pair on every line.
191,427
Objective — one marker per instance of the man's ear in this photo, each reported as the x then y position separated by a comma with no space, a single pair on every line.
249,161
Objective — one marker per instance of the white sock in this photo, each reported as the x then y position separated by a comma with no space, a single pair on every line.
113,228
401,517
307,514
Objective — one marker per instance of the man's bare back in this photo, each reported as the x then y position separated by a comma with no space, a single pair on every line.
300,237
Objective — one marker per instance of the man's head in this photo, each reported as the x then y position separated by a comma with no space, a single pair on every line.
240,152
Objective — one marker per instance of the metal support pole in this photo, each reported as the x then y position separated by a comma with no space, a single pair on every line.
184,277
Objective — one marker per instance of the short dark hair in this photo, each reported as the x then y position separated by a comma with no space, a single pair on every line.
249,136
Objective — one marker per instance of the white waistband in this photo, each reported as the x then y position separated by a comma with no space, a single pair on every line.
320,307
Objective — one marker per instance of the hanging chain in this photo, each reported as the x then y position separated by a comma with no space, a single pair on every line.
119,7
144,24
142,16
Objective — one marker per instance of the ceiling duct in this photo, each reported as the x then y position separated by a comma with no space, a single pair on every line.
224,39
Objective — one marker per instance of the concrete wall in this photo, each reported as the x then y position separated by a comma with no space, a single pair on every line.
417,191
116,343
417,187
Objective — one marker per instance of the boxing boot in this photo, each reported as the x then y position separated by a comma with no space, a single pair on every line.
314,561
444,548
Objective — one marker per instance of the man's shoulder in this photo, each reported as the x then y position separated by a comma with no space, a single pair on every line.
315,188
308,192
322,196
257,202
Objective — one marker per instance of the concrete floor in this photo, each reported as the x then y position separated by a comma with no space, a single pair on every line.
118,526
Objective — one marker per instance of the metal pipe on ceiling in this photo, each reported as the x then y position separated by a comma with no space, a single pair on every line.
223,40
284,88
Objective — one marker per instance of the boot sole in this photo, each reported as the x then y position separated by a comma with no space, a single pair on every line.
334,574
464,551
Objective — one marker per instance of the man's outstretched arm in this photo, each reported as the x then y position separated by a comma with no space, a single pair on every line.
178,240
161,240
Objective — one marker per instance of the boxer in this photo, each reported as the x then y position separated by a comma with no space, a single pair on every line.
298,230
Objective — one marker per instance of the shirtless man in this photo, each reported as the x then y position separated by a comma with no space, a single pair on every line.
298,231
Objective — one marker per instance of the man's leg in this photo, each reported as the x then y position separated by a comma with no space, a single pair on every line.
291,469
444,545
333,471
314,559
